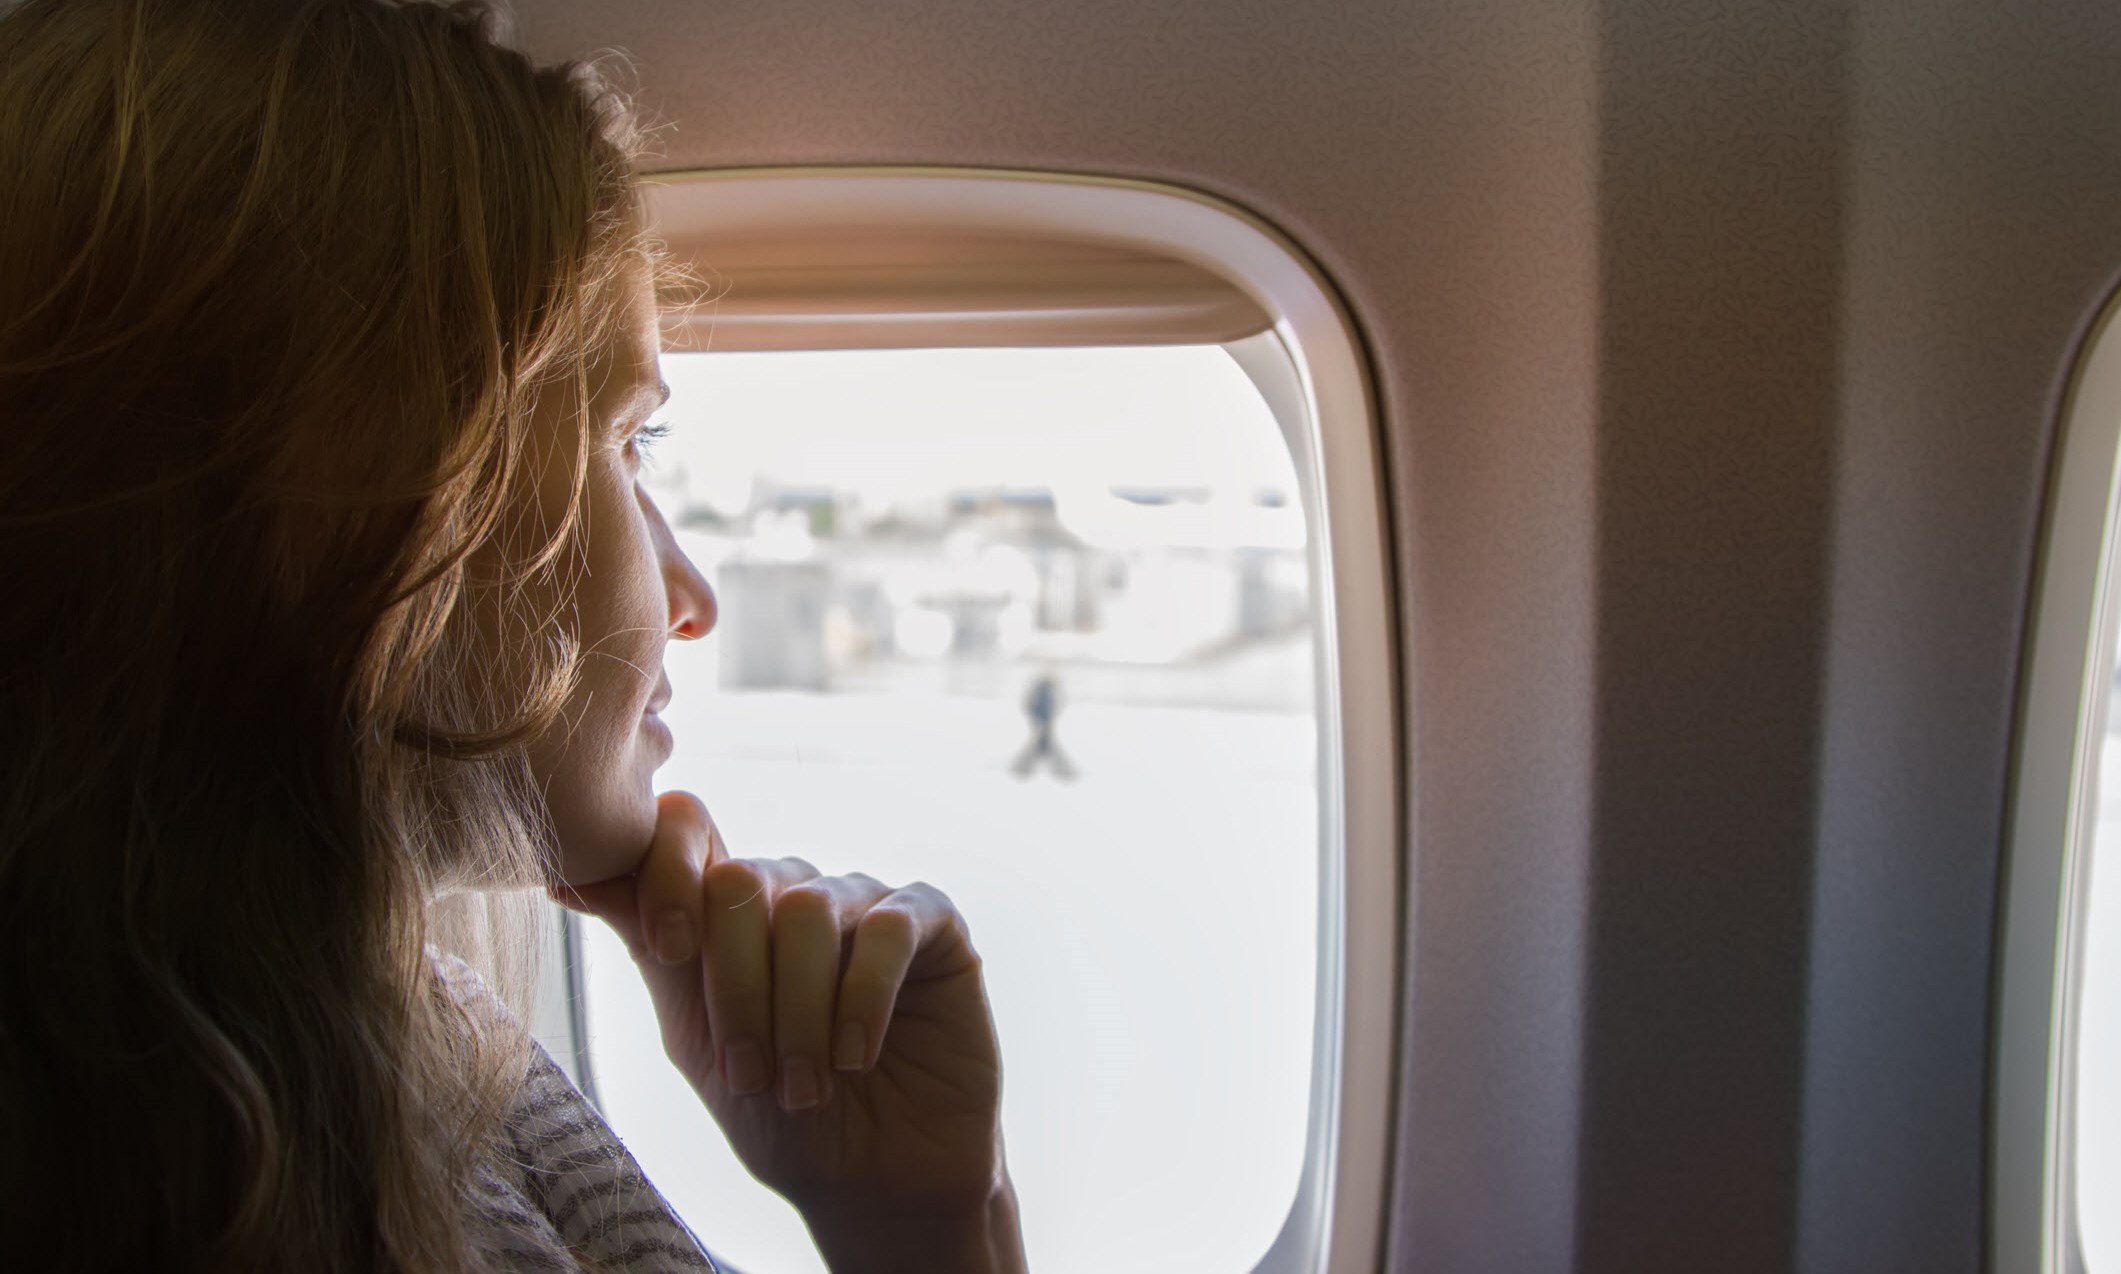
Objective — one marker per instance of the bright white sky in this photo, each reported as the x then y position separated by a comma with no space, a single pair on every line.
892,424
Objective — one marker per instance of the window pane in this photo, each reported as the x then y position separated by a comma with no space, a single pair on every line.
2098,1130
1033,626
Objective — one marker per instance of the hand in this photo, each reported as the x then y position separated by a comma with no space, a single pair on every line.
836,1028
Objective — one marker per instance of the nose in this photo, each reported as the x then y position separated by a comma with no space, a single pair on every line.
692,604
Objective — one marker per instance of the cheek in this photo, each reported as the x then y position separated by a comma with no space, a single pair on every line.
597,765
622,605
598,792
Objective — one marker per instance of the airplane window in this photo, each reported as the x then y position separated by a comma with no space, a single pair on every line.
2055,1112
1035,626
2098,1100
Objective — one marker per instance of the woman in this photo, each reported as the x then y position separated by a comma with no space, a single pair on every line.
327,352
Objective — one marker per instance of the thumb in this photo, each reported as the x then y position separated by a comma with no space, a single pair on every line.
674,990
611,901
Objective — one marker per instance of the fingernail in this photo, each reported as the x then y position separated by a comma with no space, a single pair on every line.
798,1084
744,1067
849,1047
673,938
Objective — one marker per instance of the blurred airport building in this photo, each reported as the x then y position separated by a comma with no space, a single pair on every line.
960,589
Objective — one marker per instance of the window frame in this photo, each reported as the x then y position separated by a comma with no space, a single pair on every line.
2075,635
1309,366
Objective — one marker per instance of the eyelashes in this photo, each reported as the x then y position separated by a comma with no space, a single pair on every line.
643,441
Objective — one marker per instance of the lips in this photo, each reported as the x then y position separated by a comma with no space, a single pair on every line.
654,728
661,700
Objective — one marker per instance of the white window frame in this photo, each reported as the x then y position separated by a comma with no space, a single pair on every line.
1309,368
2061,727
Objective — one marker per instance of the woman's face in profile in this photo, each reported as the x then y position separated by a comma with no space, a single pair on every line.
637,591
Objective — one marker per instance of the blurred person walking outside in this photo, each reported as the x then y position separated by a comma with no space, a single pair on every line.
1042,706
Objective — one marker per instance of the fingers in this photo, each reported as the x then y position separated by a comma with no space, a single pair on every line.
807,926
789,976
884,943
803,973
738,971
916,922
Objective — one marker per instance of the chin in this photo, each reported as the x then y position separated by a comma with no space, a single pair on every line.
605,839
600,795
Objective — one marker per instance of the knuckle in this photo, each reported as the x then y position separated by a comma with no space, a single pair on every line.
928,894
807,904
927,899
889,924
687,804
734,882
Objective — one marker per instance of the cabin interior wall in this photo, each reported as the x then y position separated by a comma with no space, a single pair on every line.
1720,210
1982,240
1717,348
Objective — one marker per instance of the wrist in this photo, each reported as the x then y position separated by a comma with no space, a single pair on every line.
983,1238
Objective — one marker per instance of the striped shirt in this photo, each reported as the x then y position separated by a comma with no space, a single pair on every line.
567,1195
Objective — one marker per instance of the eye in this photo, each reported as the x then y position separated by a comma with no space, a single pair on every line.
643,440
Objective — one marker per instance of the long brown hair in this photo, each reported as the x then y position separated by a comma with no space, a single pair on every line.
280,284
